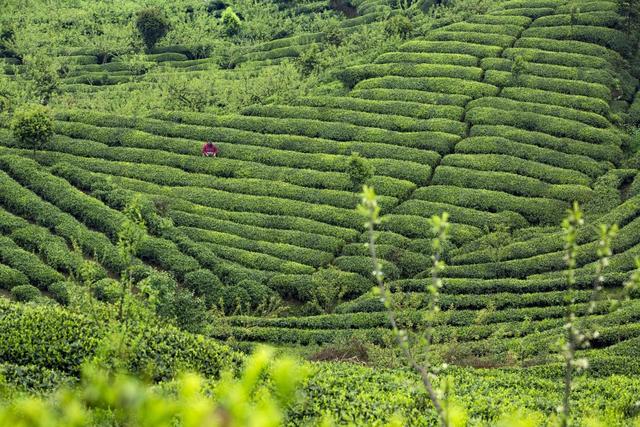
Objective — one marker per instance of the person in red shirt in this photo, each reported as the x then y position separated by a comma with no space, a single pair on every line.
209,149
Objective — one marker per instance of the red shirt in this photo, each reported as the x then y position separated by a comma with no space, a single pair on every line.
209,149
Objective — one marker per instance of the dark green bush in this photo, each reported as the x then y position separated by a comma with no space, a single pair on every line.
445,85
556,126
428,58
305,238
571,87
190,311
510,183
107,290
32,126
394,120
359,171
609,37
502,28
540,96
398,25
634,112
414,226
541,139
363,266
585,117
204,283
93,212
10,277
520,21
23,202
230,21
499,145
60,292
535,210
152,24
25,293
462,215
411,95
351,76
70,339
569,46
39,273
529,12
606,18
566,59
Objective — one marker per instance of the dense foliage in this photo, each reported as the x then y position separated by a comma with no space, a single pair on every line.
128,258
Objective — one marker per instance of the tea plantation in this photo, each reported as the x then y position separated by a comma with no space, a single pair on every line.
124,249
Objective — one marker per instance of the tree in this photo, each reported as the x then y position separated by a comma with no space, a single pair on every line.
152,25
630,10
309,60
518,68
42,76
230,22
32,126
398,25
359,170
333,33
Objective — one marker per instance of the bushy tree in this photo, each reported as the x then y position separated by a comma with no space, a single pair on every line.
359,170
398,25
190,311
630,11
333,33
32,126
174,303
42,77
204,283
230,22
518,68
107,290
309,60
152,24
184,92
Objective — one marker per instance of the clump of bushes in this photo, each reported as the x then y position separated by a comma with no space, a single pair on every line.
32,126
398,25
107,290
203,283
152,24
230,22
59,292
359,170
25,293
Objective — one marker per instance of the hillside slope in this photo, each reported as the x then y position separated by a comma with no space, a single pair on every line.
501,120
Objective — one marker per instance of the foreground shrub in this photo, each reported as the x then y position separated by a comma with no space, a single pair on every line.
258,397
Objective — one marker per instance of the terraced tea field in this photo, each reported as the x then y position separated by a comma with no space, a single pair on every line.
502,119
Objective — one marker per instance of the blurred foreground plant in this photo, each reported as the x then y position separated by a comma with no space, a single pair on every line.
258,397
448,413
577,335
